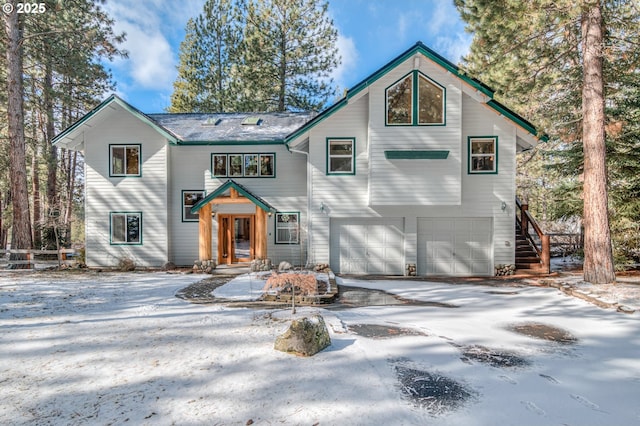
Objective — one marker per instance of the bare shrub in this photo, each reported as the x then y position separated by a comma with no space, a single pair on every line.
304,284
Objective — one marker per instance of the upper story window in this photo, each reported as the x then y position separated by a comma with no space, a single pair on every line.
126,228
124,160
483,155
415,100
243,165
341,156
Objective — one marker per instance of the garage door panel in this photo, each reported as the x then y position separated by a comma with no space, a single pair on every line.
367,246
460,246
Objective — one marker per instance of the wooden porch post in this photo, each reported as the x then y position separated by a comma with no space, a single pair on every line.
261,233
204,232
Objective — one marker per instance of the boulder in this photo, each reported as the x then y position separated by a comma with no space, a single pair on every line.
305,337
284,266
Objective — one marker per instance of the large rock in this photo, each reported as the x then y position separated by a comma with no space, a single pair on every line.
305,337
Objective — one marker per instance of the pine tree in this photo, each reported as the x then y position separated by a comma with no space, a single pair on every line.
289,51
208,56
541,55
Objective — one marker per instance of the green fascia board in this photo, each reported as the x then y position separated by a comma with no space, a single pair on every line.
419,47
134,111
229,143
511,115
424,154
241,190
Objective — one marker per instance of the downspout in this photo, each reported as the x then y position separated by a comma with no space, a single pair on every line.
309,192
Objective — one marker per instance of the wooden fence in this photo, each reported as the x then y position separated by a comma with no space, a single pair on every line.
32,258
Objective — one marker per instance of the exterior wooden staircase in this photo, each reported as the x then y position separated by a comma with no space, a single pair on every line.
533,248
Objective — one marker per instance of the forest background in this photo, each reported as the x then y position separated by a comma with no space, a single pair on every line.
532,52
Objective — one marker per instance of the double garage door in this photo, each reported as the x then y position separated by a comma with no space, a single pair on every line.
456,247
367,246
446,246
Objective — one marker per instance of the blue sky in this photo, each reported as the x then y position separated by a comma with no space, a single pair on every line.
371,33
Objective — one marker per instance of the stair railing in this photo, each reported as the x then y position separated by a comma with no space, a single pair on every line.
527,222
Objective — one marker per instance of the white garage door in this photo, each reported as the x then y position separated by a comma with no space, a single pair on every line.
458,247
367,246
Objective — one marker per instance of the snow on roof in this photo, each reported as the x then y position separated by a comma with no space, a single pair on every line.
232,127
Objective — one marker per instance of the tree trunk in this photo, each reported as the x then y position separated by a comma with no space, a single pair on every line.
35,188
51,154
598,256
21,225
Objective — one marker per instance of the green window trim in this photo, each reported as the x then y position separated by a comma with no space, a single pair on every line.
243,165
197,194
126,160
414,115
125,236
285,226
430,154
339,157
482,162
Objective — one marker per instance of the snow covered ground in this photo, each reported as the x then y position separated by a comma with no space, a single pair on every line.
115,348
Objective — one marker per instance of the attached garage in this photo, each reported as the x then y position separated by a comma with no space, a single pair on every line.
367,246
455,246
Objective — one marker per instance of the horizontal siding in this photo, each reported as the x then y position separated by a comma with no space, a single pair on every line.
146,194
191,169
415,182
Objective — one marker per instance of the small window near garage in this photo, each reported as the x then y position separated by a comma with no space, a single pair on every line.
125,160
341,156
126,228
190,199
288,228
483,155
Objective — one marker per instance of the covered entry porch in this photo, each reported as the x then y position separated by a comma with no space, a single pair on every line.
242,236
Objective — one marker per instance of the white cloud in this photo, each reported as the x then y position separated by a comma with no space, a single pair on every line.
455,47
149,26
349,53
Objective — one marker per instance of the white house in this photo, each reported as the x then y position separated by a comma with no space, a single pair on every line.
415,165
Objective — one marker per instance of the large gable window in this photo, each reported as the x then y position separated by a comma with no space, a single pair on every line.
340,156
288,228
483,155
126,228
415,100
124,160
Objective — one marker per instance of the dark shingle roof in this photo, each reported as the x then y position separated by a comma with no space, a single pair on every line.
202,128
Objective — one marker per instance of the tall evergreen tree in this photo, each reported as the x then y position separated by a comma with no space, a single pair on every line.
208,56
289,51
257,55
548,57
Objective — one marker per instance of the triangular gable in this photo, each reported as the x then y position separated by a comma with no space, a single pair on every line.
419,47
72,132
241,190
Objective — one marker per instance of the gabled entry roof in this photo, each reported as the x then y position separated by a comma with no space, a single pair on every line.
241,190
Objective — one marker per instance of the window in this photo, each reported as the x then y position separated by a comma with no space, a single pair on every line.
340,156
415,100
126,228
219,165
243,165
125,160
190,199
288,228
483,154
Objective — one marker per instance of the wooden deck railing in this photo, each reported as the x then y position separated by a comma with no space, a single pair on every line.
538,239
31,257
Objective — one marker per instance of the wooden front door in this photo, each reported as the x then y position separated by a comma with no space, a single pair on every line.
236,238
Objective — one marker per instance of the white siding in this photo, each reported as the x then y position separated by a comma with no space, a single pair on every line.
412,189
415,182
104,194
191,169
